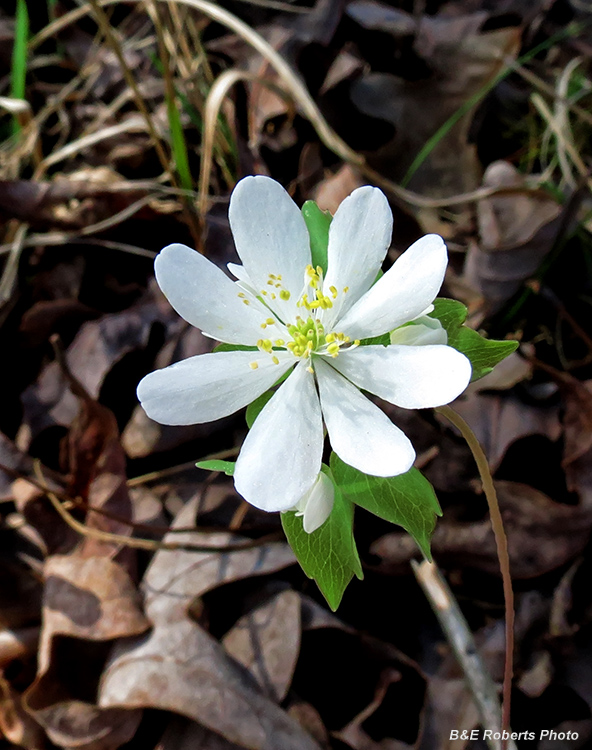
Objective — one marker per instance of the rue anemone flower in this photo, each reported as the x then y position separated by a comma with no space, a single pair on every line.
308,325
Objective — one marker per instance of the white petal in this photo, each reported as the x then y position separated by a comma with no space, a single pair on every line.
359,237
209,386
271,238
202,294
360,433
317,504
424,330
414,377
281,456
402,294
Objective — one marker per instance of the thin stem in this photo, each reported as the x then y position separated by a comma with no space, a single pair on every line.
501,542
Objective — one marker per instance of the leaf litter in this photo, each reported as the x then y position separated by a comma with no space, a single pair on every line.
218,648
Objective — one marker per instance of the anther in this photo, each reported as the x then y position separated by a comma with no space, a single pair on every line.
285,294
253,365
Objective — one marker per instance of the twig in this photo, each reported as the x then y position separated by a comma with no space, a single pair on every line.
461,640
136,543
501,542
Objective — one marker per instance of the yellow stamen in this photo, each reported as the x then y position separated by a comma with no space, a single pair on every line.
275,360
253,365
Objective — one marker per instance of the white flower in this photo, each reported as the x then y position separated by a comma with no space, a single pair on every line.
316,505
310,324
423,330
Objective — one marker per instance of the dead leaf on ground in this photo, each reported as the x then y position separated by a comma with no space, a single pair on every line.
176,577
99,345
516,232
142,436
461,60
12,458
498,421
87,603
183,734
16,725
266,641
542,536
180,667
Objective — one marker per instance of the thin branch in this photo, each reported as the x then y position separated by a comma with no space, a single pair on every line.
463,645
501,542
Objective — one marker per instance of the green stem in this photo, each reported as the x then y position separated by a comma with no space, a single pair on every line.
501,542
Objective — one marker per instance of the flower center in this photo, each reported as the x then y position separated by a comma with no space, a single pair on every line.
308,335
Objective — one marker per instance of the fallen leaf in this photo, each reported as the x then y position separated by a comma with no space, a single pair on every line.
516,232
88,602
179,666
12,458
183,734
267,641
99,345
542,536
500,420
459,60
16,725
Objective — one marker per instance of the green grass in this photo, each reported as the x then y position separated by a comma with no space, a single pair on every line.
18,72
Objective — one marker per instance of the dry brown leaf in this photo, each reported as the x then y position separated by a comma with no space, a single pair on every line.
89,598
462,60
335,189
16,725
179,666
176,577
142,436
498,421
542,536
71,201
354,733
12,458
87,603
267,642
577,418
515,233
99,345
183,734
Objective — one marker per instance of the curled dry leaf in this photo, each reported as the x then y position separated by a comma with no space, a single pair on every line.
354,733
179,667
99,345
86,601
142,436
516,232
182,734
500,420
461,60
542,536
176,577
16,725
267,642
12,458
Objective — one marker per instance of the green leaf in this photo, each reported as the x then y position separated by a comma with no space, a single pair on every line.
317,223
216,465
384,340
234,348
329,554
408,500
483,353
255,408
